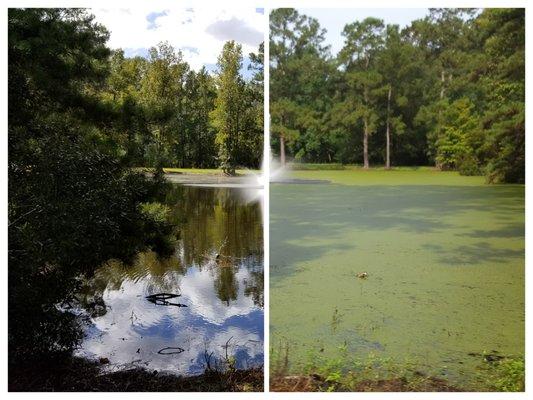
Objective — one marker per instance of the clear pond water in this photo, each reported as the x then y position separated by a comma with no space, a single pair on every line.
223,317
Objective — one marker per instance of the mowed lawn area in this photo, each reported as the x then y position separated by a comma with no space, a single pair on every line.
444,258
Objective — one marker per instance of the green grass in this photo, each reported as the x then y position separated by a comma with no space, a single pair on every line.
394,177
508,375
444,255
316,167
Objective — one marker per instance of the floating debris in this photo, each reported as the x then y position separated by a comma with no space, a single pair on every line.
161,299
490,357
163,296
171,350
362,275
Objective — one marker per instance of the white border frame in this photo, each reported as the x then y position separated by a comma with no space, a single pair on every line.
267,5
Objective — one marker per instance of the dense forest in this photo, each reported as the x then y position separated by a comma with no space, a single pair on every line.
162,111
447,90
80,117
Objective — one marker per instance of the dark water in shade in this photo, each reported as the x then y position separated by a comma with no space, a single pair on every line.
224,314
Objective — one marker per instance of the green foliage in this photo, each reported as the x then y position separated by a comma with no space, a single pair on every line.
229,106
72,205
468,165
458,128
299,97
73,209
447,90
160,111
509,375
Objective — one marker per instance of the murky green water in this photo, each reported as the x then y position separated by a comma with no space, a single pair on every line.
445,266
223,317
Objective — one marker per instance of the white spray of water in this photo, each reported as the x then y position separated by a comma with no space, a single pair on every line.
277,171
255,183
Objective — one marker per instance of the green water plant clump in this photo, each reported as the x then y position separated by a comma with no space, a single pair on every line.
508,374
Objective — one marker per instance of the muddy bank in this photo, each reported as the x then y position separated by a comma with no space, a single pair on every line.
316,383
78,375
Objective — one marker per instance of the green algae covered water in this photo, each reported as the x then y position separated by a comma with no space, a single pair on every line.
444,256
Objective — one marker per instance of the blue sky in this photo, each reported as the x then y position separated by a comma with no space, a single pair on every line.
199,33
334,19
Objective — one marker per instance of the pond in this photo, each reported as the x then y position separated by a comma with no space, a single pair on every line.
444,263
217,271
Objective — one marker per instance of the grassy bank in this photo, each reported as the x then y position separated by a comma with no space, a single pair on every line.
355,175
347,373
78,375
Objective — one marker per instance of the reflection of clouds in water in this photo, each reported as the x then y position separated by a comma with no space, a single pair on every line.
195,340
223,294
133,329
197,288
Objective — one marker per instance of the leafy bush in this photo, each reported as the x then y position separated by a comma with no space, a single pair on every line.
468,165
70,209
71,204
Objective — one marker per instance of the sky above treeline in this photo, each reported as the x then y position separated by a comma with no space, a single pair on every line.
334,19
199,33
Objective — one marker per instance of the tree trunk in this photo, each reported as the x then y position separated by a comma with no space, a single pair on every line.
282,150
365,146
365,138
387,162
439,134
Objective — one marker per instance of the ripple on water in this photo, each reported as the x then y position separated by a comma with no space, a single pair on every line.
222,314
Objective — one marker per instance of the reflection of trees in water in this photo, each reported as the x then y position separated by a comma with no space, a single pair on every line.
210,221
226,285
255,287
215,220
219,220
163,272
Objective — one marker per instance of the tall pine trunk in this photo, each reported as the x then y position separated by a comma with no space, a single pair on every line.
439,131
282,150
366,165
387,162
365,146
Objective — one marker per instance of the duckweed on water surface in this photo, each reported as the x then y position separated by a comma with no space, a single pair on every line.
444,257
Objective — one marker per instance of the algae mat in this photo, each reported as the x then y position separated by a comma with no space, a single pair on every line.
445,261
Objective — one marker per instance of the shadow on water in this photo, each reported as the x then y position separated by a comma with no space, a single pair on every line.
217,271
472,254
308,220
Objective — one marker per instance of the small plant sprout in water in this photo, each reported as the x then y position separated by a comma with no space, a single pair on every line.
335,320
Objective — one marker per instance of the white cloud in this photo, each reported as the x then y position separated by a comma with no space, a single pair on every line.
200,32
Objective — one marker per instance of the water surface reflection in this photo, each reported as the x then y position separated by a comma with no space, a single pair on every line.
217,269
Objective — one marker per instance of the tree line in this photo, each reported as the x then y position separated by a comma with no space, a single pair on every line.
447,90
165,113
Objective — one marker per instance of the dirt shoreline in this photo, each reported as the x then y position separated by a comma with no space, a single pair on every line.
316,383
79,375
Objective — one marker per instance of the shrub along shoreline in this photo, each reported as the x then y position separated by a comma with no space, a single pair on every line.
75,374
